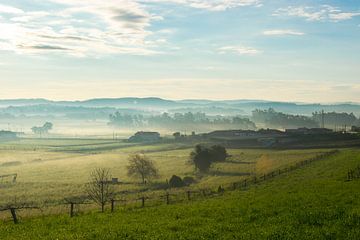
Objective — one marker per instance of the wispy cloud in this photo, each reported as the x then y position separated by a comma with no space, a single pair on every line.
240,50
322,13
212,5
112,27
280,32
10,9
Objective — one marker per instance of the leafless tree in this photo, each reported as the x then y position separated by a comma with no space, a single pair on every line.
100,188
141,166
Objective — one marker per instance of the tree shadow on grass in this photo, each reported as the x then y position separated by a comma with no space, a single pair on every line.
230,174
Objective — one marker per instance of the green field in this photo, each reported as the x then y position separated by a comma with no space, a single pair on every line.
51,169
313,202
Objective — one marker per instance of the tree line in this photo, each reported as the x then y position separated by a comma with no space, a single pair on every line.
274,119
119,119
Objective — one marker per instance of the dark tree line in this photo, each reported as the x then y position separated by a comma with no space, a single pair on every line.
334,119
274,119
178,119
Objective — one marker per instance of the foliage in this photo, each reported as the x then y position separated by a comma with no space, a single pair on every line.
332,119
219,153
274,119
202,158
176,120
188,180
42,130
141,166
176,181
100,188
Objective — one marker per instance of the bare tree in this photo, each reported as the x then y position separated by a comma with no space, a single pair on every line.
141,166
100,188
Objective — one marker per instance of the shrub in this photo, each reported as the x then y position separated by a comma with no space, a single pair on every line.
176,181
188,180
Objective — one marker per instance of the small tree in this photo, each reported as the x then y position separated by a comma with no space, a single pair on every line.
42,130
202,158
219,153
141,166
100,188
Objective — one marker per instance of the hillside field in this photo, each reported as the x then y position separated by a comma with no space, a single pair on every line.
50,170
313,202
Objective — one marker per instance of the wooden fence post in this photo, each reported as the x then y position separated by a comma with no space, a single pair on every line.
143,202
71,209
188,195
112,205
245,182
13,214
234,186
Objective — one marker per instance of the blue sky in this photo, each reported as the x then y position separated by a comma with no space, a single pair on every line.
307,51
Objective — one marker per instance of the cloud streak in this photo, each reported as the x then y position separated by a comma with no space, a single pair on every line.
322,13
239,50
282,32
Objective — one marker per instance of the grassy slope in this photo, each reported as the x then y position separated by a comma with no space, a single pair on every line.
59,168
311,203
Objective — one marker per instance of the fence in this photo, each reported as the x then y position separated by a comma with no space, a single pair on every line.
182,195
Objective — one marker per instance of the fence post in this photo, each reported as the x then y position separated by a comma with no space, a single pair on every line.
188,195
71,209
13,214
112,205
143,202
245,183
234,186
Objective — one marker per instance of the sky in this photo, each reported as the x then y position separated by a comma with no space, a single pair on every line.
298,51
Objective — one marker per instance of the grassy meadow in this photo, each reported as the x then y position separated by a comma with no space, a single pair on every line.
50,170
313,202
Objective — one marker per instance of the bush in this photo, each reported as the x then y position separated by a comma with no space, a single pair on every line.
219,153
203,156
176,181
188,180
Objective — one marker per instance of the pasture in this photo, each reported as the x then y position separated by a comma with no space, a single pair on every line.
313,202
50,170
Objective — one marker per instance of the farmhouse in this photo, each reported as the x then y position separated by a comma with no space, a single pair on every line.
145,137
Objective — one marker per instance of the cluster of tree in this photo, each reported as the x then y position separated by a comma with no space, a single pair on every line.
334,119
178,119
44,129
101,190
176,181
202,156
274,119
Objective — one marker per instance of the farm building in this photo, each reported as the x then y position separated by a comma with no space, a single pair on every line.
308,131
355,129
244,134
145,137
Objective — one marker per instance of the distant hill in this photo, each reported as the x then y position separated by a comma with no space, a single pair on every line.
158,104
